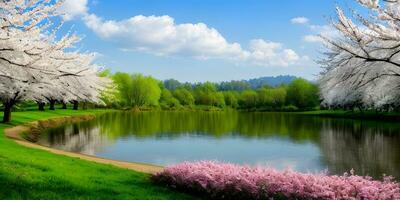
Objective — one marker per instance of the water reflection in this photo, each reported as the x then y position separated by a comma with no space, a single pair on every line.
280,140
371,148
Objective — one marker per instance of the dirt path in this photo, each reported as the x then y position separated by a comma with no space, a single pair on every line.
15,133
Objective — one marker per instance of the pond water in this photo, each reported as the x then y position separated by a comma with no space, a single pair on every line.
279,140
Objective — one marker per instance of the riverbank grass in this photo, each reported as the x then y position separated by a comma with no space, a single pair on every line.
27,173
369,115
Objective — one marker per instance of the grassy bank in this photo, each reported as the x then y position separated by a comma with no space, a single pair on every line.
369,115
35,174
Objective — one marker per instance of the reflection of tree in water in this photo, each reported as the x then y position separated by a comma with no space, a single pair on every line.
371,148
76,138
215,124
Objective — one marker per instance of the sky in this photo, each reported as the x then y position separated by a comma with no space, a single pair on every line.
204,40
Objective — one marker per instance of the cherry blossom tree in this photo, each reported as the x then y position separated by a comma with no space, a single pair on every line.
34,64
362,64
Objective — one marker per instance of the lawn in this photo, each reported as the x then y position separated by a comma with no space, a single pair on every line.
369,115
35,174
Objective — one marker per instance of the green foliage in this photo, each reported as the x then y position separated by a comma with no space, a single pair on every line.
248,99
272,97
172,84
302,94
137,90
207,94
184,96
144,91
167,100
233,86
231,99
110,95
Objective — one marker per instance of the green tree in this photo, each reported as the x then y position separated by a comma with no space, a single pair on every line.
184,96
218,99
123,84
207,94
248,99
279,96
302,94
204,93
272,97
167,100
231,99
109,95
233,86
137,90
172,84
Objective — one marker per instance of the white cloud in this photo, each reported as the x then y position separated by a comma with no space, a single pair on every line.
160,35
271,54
312,38
299,20
74,8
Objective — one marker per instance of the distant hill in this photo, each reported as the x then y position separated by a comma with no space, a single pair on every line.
270,80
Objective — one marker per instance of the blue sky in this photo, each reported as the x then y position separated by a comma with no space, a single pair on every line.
236,39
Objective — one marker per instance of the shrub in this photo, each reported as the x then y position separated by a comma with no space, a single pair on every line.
290,108
228,181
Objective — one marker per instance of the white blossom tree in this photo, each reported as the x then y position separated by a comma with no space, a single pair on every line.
362,64
34,64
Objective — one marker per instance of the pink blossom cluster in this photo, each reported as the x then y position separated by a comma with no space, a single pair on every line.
228,181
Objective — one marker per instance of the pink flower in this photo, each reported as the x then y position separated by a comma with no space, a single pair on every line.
229,181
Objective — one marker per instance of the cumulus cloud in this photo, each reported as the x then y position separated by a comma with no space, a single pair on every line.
271,54
74,8
299,20
160,35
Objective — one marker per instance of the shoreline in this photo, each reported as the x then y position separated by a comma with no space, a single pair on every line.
354,115
26,133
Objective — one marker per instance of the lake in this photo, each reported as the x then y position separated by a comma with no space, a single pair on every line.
280,140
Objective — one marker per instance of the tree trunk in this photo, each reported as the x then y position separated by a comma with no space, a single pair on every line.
76,104
360,108
52,105
7,111
64,106
41,106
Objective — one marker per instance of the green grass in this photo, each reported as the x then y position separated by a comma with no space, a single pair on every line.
27,173
370,115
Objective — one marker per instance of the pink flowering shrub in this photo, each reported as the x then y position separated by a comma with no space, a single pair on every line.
228,181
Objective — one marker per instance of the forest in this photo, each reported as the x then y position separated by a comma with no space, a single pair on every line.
145,92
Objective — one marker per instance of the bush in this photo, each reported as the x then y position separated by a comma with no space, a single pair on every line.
229,181
290,108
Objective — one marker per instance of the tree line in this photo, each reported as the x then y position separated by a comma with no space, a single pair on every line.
145,92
